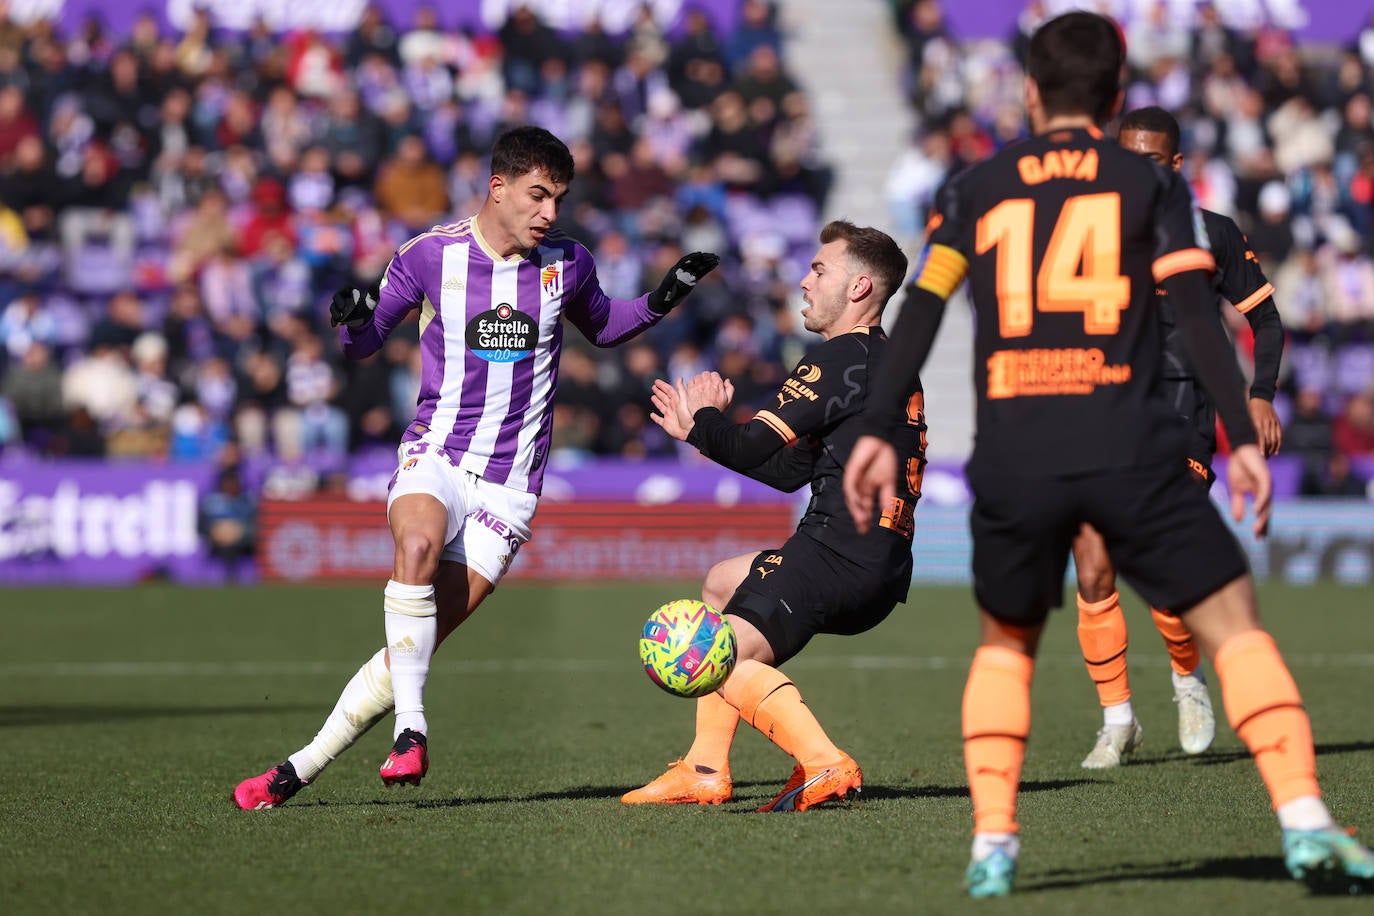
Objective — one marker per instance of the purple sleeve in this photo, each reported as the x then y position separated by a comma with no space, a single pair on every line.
603,320
399,294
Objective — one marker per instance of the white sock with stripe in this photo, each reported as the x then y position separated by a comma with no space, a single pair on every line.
365,699
411,633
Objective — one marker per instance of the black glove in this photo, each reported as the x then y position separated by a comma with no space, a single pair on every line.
353,307
681,280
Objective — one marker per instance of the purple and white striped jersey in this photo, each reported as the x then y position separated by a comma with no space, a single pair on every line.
490,339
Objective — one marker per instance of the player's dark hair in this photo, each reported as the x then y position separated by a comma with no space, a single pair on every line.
1154,120
872,248
1076,61
521,150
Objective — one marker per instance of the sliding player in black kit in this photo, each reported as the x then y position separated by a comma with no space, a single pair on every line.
827,577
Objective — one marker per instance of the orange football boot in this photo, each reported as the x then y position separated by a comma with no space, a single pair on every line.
683,784
809,787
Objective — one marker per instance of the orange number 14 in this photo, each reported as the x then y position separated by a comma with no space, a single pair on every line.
1081,271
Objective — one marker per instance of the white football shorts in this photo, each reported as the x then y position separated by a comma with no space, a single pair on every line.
487,522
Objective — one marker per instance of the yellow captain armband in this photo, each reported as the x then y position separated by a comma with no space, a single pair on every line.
940,270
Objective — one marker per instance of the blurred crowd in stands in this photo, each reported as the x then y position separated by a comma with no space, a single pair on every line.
1278,136
178,209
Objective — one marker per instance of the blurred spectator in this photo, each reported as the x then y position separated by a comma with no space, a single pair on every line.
411,188
757,28
1338,479
25,322
33,387
366,402
102,384
1348,283
1353,431
1304,298
913,180
228,522
17,123
1271,236
311,425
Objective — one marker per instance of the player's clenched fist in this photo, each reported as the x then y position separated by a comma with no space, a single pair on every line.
681,280
870,472
353,307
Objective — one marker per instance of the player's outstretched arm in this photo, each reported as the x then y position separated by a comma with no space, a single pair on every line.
1247,474
681,280
353,307
608,322
365,316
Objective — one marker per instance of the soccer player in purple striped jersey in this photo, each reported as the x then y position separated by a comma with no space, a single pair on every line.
492,290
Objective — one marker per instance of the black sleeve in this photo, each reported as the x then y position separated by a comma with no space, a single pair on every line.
1242,283
1268,330
737,446
1210,352
788,469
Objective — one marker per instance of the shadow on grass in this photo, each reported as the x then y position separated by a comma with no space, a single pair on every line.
744,794
1247,868
1215,758
19,716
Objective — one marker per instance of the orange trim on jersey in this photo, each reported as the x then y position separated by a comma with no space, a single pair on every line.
1179,261
775,423
861,329
942,271
452,229
1255,298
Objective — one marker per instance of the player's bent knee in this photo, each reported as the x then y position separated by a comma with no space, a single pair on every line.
417,556
750,642
718,587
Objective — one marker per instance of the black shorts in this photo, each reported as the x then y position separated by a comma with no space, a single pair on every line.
1163,534
804,588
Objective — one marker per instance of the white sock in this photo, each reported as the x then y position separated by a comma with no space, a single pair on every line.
985,844
1191,679
1120,714
411,632
1305,813
365,699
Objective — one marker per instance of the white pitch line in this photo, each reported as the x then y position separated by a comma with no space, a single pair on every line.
499,666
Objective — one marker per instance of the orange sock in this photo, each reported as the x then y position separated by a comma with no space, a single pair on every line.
716,723
767,700
1265,709
996,725
1102,637
1183,653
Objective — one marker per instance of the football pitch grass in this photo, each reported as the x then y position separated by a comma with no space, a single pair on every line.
127,716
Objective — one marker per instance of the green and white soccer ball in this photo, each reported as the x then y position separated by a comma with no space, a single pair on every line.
687,648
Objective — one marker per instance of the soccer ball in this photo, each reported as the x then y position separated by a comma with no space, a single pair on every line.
687,648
